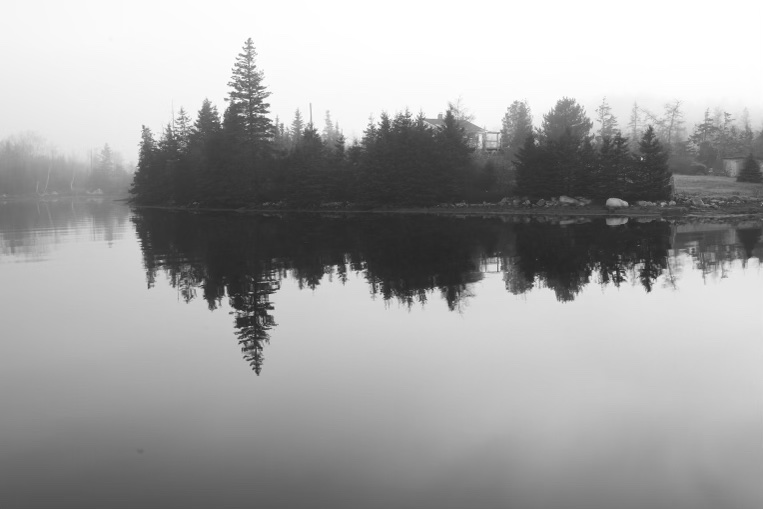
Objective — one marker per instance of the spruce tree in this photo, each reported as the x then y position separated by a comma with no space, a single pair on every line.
750,171
249,94
183,130
253,132
297,126
146,182
205,151
651,178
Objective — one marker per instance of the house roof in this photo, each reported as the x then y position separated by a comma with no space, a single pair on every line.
468,126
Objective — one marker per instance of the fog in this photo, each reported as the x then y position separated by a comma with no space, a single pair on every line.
82,74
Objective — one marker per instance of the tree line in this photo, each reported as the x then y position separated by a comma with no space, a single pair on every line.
242,158
563,158
29,166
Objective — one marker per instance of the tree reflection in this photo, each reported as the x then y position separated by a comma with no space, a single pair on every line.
406,259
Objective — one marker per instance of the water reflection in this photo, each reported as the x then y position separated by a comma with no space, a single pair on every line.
30,229
408,259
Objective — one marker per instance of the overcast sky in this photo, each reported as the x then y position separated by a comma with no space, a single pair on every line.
82,74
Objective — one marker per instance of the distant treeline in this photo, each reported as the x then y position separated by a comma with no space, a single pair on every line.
243,158
29,167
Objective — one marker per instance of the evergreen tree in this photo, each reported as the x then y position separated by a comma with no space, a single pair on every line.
566,115
183,129
309,183
297,126
147,182
235,180
750,171
169,159
250,160
516,127
650,178
329,130
205,152
249,95
453,146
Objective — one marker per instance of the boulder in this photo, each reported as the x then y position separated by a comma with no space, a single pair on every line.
566,200
541,202
616,221
697,202
616,203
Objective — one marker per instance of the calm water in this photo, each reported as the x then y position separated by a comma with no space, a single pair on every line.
164,359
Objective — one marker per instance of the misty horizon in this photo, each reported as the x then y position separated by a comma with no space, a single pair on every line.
117,70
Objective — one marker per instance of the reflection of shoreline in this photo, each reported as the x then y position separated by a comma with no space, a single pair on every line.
52,198
674,214
30,229
713,246
244,257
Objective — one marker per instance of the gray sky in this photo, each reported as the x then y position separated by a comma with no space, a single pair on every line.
85,73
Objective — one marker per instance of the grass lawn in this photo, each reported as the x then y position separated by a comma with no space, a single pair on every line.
700,185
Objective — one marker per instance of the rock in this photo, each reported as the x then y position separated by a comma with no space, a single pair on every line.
672,203
541,202
526,203
505,201
616,203
616,221
697,202
516,203
566,200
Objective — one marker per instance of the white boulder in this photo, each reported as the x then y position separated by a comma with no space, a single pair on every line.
616,203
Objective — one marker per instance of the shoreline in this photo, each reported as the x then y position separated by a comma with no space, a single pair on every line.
677,214
716,209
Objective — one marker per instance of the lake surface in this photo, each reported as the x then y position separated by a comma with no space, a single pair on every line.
167,359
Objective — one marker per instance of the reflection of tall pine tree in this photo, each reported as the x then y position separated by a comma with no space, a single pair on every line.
250,297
